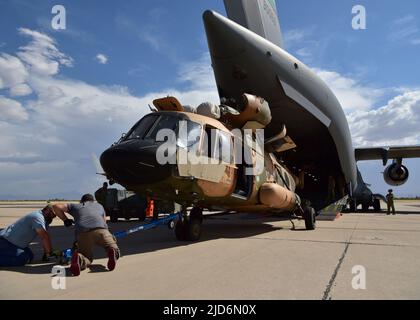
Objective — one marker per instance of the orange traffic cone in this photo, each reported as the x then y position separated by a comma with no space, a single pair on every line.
150,208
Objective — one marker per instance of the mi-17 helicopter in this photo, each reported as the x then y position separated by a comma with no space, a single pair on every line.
213,157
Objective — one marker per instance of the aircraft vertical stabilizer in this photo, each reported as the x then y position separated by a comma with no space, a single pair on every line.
259,16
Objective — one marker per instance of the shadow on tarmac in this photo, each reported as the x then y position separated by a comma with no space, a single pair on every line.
230,227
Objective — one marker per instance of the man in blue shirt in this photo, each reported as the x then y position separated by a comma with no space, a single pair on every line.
16,238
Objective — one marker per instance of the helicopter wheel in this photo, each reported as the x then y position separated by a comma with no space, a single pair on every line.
190,228
310,218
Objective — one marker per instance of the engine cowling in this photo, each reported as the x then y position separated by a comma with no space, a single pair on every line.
396,174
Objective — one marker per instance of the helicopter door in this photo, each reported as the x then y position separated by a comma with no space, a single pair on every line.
244,180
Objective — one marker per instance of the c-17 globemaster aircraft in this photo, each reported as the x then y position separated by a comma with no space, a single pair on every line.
217,160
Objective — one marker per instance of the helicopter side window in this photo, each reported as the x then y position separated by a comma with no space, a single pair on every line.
209,142
193,136
225,147
218,145
141,128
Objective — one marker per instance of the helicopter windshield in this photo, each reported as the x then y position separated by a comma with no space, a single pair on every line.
142,127
164,122
148,128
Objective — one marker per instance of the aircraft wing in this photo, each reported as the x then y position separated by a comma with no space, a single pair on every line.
387,153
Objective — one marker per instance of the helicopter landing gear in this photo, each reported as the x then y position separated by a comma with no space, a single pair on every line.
307,213
189,227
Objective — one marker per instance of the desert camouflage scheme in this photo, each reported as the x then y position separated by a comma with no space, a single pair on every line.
223,185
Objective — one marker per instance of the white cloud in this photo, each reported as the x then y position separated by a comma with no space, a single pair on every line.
20,90
140,70
302,43
304,52
404,20
20,157
41,179
41,54
403,33
293,36
50,155
405,29
11,110
351,94
101,58
12,71
199,74
396,123
149,32
146,33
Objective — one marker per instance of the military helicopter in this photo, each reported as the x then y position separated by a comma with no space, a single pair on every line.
213,157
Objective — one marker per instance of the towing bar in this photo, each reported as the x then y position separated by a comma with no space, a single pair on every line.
67,253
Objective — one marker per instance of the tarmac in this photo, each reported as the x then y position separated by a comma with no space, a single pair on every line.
240,257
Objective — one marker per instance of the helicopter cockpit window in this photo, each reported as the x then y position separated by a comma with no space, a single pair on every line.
142,127
164,122
189,135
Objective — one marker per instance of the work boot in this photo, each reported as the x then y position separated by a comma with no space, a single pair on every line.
75,263
112,258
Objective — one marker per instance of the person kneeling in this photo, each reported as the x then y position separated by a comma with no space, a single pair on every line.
91,230
16,238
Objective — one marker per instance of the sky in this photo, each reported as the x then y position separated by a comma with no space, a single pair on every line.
66,95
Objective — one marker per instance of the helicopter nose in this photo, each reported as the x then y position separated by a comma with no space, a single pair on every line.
134,164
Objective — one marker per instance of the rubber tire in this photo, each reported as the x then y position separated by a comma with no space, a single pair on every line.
195,220
352,206
310,218
365,207
196,213
377,205
171,225
193,228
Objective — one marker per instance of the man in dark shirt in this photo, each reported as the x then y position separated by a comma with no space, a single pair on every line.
390,202
91,229
101,194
